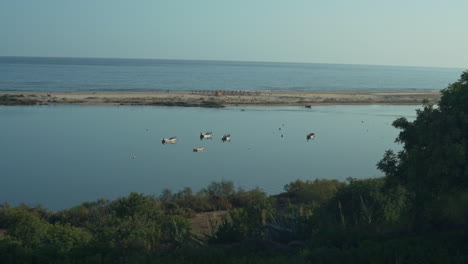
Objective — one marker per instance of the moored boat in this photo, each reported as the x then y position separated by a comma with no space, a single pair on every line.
171,140
226,137
198,149
206,135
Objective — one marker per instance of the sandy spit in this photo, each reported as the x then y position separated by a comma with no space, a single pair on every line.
222,98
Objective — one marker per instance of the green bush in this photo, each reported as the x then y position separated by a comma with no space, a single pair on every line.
318,191
63,238
433,163
247,222
27,227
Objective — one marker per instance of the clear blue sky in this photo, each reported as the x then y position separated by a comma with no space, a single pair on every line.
390,32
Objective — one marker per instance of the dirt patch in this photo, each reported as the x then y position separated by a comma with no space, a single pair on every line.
2,233
205,223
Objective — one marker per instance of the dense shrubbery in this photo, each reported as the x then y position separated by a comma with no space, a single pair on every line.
128,225
417,213
217,196
433,165
362,221
318,191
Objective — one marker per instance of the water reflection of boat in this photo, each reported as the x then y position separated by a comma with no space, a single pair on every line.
171,140
198,149
310,136
226,137
206,135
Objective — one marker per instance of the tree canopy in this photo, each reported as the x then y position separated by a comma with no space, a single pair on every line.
435,146
432,166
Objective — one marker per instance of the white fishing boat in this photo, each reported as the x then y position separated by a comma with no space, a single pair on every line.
198,149
310,136
171,140
206,135
226,137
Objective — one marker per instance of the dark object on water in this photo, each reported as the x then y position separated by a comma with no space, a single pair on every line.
310,136
226,137
308,106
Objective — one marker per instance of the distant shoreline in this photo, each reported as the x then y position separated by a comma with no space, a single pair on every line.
222,98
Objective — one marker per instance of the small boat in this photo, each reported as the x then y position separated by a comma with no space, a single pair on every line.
199,150
171,140
226,137
206,135
308,106
310,136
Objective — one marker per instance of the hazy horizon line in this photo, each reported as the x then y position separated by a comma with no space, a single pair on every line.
243,61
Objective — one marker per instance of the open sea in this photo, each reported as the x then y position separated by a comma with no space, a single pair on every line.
37,74
59,156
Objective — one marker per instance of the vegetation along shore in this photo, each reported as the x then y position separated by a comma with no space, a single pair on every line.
221,98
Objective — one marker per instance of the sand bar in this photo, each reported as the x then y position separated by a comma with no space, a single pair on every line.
221,98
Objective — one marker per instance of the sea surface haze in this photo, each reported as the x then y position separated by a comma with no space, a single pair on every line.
38,74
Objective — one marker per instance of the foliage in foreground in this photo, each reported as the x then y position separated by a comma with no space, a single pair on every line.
361,222
433,165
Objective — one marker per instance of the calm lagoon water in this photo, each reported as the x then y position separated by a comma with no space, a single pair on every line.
60,156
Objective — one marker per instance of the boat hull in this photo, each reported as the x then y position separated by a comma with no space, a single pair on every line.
199,150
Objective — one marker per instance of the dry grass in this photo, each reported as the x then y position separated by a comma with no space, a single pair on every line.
204,223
